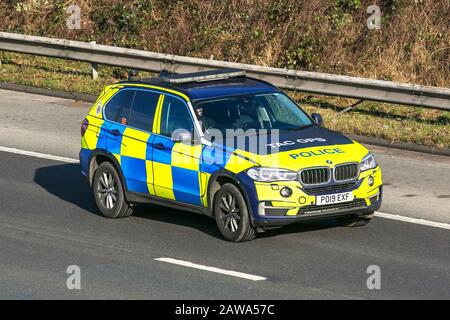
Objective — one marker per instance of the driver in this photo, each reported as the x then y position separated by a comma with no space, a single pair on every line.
204,121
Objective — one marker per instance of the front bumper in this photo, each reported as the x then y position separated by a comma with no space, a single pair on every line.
268,222
274,210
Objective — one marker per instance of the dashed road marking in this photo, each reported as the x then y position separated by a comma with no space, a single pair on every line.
212,269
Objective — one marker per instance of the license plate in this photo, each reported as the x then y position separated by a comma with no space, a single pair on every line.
334,198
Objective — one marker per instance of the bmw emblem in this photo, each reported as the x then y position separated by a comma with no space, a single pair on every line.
329,162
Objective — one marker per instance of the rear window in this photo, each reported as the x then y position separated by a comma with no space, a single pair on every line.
143,110
118,108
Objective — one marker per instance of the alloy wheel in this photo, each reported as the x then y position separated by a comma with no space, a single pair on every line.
230,213
107,190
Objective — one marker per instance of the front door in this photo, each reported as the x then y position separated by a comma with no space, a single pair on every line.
175,164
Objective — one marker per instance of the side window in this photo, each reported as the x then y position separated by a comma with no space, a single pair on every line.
143,110
175,115
118,108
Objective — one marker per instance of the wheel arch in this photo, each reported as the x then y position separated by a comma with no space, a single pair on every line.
100,156
218,179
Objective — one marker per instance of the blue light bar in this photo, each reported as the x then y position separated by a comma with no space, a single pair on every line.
203,76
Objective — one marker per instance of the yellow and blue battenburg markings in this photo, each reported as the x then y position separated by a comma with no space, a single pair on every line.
176,171
171,172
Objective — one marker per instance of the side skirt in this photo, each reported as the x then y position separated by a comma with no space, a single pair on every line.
141,198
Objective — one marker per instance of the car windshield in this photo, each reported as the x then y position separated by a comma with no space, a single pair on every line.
260,111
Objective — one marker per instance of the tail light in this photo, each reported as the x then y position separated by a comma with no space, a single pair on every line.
84,126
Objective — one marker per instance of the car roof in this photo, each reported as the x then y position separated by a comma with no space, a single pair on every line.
239,85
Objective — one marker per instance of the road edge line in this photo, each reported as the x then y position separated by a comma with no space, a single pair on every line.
423,222
38,155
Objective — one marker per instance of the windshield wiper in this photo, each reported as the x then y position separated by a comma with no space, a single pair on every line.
297,128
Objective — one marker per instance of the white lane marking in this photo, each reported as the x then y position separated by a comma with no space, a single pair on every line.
377,214
38,155
211,269
413,220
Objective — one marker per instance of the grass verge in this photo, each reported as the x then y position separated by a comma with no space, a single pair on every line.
391,122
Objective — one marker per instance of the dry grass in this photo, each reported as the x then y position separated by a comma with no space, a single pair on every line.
51,73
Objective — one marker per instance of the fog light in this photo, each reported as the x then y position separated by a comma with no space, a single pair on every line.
370,181
286,192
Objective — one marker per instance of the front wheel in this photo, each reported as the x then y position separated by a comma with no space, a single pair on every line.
355,220
109,192
231,214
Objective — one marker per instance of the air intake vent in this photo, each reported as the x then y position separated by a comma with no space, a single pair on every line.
329,208
315,176
335,188
346,172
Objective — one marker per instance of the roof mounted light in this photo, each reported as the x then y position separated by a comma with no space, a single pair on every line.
203,76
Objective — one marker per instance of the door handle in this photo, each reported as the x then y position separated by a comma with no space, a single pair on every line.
159,146
114,132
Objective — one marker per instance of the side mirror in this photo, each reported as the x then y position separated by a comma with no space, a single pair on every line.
317,119
184,136
181,135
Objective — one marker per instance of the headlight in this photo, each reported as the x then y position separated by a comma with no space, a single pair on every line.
368,162
271,174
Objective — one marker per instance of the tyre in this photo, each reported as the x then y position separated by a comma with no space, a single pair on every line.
109,192
355,220
231,214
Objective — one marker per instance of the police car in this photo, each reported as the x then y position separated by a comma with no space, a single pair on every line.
225,145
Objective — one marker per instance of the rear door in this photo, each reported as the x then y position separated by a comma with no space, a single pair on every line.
136,144
131,113
175,164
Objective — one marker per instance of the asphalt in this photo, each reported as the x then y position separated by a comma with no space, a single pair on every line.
48,221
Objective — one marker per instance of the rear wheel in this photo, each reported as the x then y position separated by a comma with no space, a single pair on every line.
231,214
355,220
109,192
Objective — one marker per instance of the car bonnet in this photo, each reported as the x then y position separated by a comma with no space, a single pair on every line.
297,149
